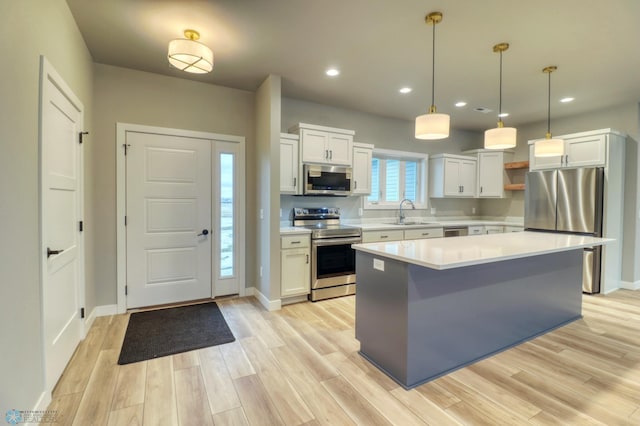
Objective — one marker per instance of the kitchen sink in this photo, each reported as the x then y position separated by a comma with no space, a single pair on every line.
407,223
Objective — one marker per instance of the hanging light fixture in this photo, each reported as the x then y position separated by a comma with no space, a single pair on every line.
501,137
432,125
187,54
549,147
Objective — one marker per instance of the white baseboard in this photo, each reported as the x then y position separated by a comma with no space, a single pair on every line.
43,402
630,285
98,311
269,305
294,299
247,291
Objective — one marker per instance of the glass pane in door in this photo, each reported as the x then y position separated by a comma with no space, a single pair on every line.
226,215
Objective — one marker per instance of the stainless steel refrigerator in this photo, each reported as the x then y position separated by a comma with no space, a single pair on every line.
568,201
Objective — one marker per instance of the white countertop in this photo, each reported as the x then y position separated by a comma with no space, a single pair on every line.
433,224
294,230
456,252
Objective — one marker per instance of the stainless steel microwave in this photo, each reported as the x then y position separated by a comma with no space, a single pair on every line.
327,180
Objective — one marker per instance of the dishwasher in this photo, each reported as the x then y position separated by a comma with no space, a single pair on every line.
455,231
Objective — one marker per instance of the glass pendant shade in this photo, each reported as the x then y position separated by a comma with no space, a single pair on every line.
500,138
548,148
190,56
432,126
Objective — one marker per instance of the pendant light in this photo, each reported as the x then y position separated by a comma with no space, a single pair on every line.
431,125
189,55
549,147
500,137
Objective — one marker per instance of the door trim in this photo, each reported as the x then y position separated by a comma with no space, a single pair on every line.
48,72
121,196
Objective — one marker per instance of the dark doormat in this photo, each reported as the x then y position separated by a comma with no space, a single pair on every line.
170,331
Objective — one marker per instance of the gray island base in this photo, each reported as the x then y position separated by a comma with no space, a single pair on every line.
416,323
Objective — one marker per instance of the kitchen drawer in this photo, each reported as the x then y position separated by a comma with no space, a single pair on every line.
509,228
417,234
476,230
382,236
493,229
294,241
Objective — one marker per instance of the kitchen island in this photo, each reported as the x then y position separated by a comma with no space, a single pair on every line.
428,307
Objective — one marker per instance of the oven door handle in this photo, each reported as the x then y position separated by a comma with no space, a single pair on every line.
336,241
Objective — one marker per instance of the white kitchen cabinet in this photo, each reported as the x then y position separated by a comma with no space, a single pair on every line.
586,149
490,172
382,236
452,176
477,230
289,164
362,155
511,228
423,233
493,229
325,145
295,265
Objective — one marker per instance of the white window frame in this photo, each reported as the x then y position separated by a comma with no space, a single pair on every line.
421,190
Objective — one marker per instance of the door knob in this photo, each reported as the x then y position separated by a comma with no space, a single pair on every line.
204,232
52,252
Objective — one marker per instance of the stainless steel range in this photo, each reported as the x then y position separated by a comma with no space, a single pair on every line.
333,261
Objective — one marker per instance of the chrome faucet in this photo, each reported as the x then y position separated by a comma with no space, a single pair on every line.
413,207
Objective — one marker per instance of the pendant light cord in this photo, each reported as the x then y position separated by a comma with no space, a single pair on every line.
549,106
433,65
500,95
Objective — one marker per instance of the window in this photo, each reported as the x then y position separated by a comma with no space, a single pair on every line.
395,176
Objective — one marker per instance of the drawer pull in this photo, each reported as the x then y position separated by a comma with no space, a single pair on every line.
295,242
384,236
425,233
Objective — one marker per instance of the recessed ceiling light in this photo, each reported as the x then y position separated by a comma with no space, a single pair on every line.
567,99
406,90
504,114
461,104
332,72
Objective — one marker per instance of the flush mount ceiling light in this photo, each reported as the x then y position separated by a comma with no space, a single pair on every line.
431,125
549,147
405,90
461,104
332,72
500,137
189,55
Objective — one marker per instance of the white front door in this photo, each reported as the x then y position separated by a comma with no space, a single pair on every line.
61,117
169,218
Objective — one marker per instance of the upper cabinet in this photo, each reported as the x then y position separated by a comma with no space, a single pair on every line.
289,165
586,149
452,176
491,172
362,155
325,145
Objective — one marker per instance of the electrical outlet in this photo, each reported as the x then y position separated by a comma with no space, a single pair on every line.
360,211
378,264
433,210
261,272
473,210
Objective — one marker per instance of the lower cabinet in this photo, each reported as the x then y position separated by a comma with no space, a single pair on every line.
493,229
382,236
424,233
476,230
295,264
511,228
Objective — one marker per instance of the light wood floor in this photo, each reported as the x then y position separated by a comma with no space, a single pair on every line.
300,366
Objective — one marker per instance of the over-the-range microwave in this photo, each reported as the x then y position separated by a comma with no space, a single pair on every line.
327,180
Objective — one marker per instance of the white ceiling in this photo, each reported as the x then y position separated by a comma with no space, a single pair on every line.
382,45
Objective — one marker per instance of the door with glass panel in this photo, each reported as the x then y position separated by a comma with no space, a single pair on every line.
182,226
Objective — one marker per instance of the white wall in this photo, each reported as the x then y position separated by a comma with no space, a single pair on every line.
29,29
129,96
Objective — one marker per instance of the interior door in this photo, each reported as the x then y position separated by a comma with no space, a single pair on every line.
168,219
61,118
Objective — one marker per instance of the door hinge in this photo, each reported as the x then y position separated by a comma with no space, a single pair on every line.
81,137
81,312
126,290
126,147
81,226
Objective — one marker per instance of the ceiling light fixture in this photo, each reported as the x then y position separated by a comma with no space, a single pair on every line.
332,72
189,55
549,147
431,125
461,104
500,137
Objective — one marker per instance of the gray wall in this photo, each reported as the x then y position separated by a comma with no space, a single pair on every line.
124,95
268,108
29,29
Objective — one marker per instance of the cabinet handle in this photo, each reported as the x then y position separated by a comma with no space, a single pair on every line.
296,242
330,154
295,181
424,234
355,184
383,236
481,190
307,259
326,153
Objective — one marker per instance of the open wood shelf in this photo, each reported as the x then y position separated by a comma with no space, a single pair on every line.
514,187
517,165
